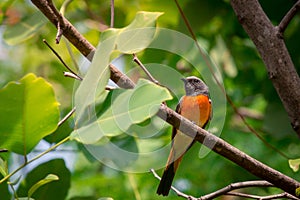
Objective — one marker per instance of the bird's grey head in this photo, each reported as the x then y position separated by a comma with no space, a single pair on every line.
194,86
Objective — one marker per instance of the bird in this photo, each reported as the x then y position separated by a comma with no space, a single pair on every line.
196,106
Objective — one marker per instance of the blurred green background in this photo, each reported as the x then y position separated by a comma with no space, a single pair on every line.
217,29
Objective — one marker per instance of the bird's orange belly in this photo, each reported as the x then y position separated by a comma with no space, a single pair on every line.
196,108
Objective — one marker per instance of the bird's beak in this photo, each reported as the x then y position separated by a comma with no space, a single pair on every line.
183,79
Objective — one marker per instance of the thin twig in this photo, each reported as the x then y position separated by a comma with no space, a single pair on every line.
178,193
109,88
288,17
61,60
60,21
112,13
234,186
59,33
137,61
226,190
66,117
275,196
71,75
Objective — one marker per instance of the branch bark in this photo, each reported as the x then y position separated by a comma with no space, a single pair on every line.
211,141
270,45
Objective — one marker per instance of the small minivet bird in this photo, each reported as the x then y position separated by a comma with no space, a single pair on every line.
195,106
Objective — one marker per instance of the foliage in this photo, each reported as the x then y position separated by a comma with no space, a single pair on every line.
28,115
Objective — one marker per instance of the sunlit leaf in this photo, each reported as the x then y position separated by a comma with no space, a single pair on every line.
294,164
137,35
29,112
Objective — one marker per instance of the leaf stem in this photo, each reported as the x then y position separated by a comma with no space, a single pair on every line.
35,158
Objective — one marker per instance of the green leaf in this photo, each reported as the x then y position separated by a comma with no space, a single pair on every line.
91,91
29,112
93,85
298,192
25,29
294,164
57,190
126,107
49,178
137,35
5,194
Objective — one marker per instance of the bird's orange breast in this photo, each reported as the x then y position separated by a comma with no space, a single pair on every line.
196,109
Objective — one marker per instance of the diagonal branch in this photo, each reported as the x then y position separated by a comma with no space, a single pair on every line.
211,141
275,55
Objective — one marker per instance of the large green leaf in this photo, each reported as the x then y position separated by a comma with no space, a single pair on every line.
25,29
29,112
126,107
57,189
93,84
91,91
137,35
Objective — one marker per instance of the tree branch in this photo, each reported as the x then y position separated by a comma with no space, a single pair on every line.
228,190
275,196
178,193
234,186
211,141
288,17
275,55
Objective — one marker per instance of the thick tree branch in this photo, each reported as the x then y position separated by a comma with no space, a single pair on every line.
275,55
211,141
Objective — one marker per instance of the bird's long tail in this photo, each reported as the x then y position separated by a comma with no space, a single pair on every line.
168,176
